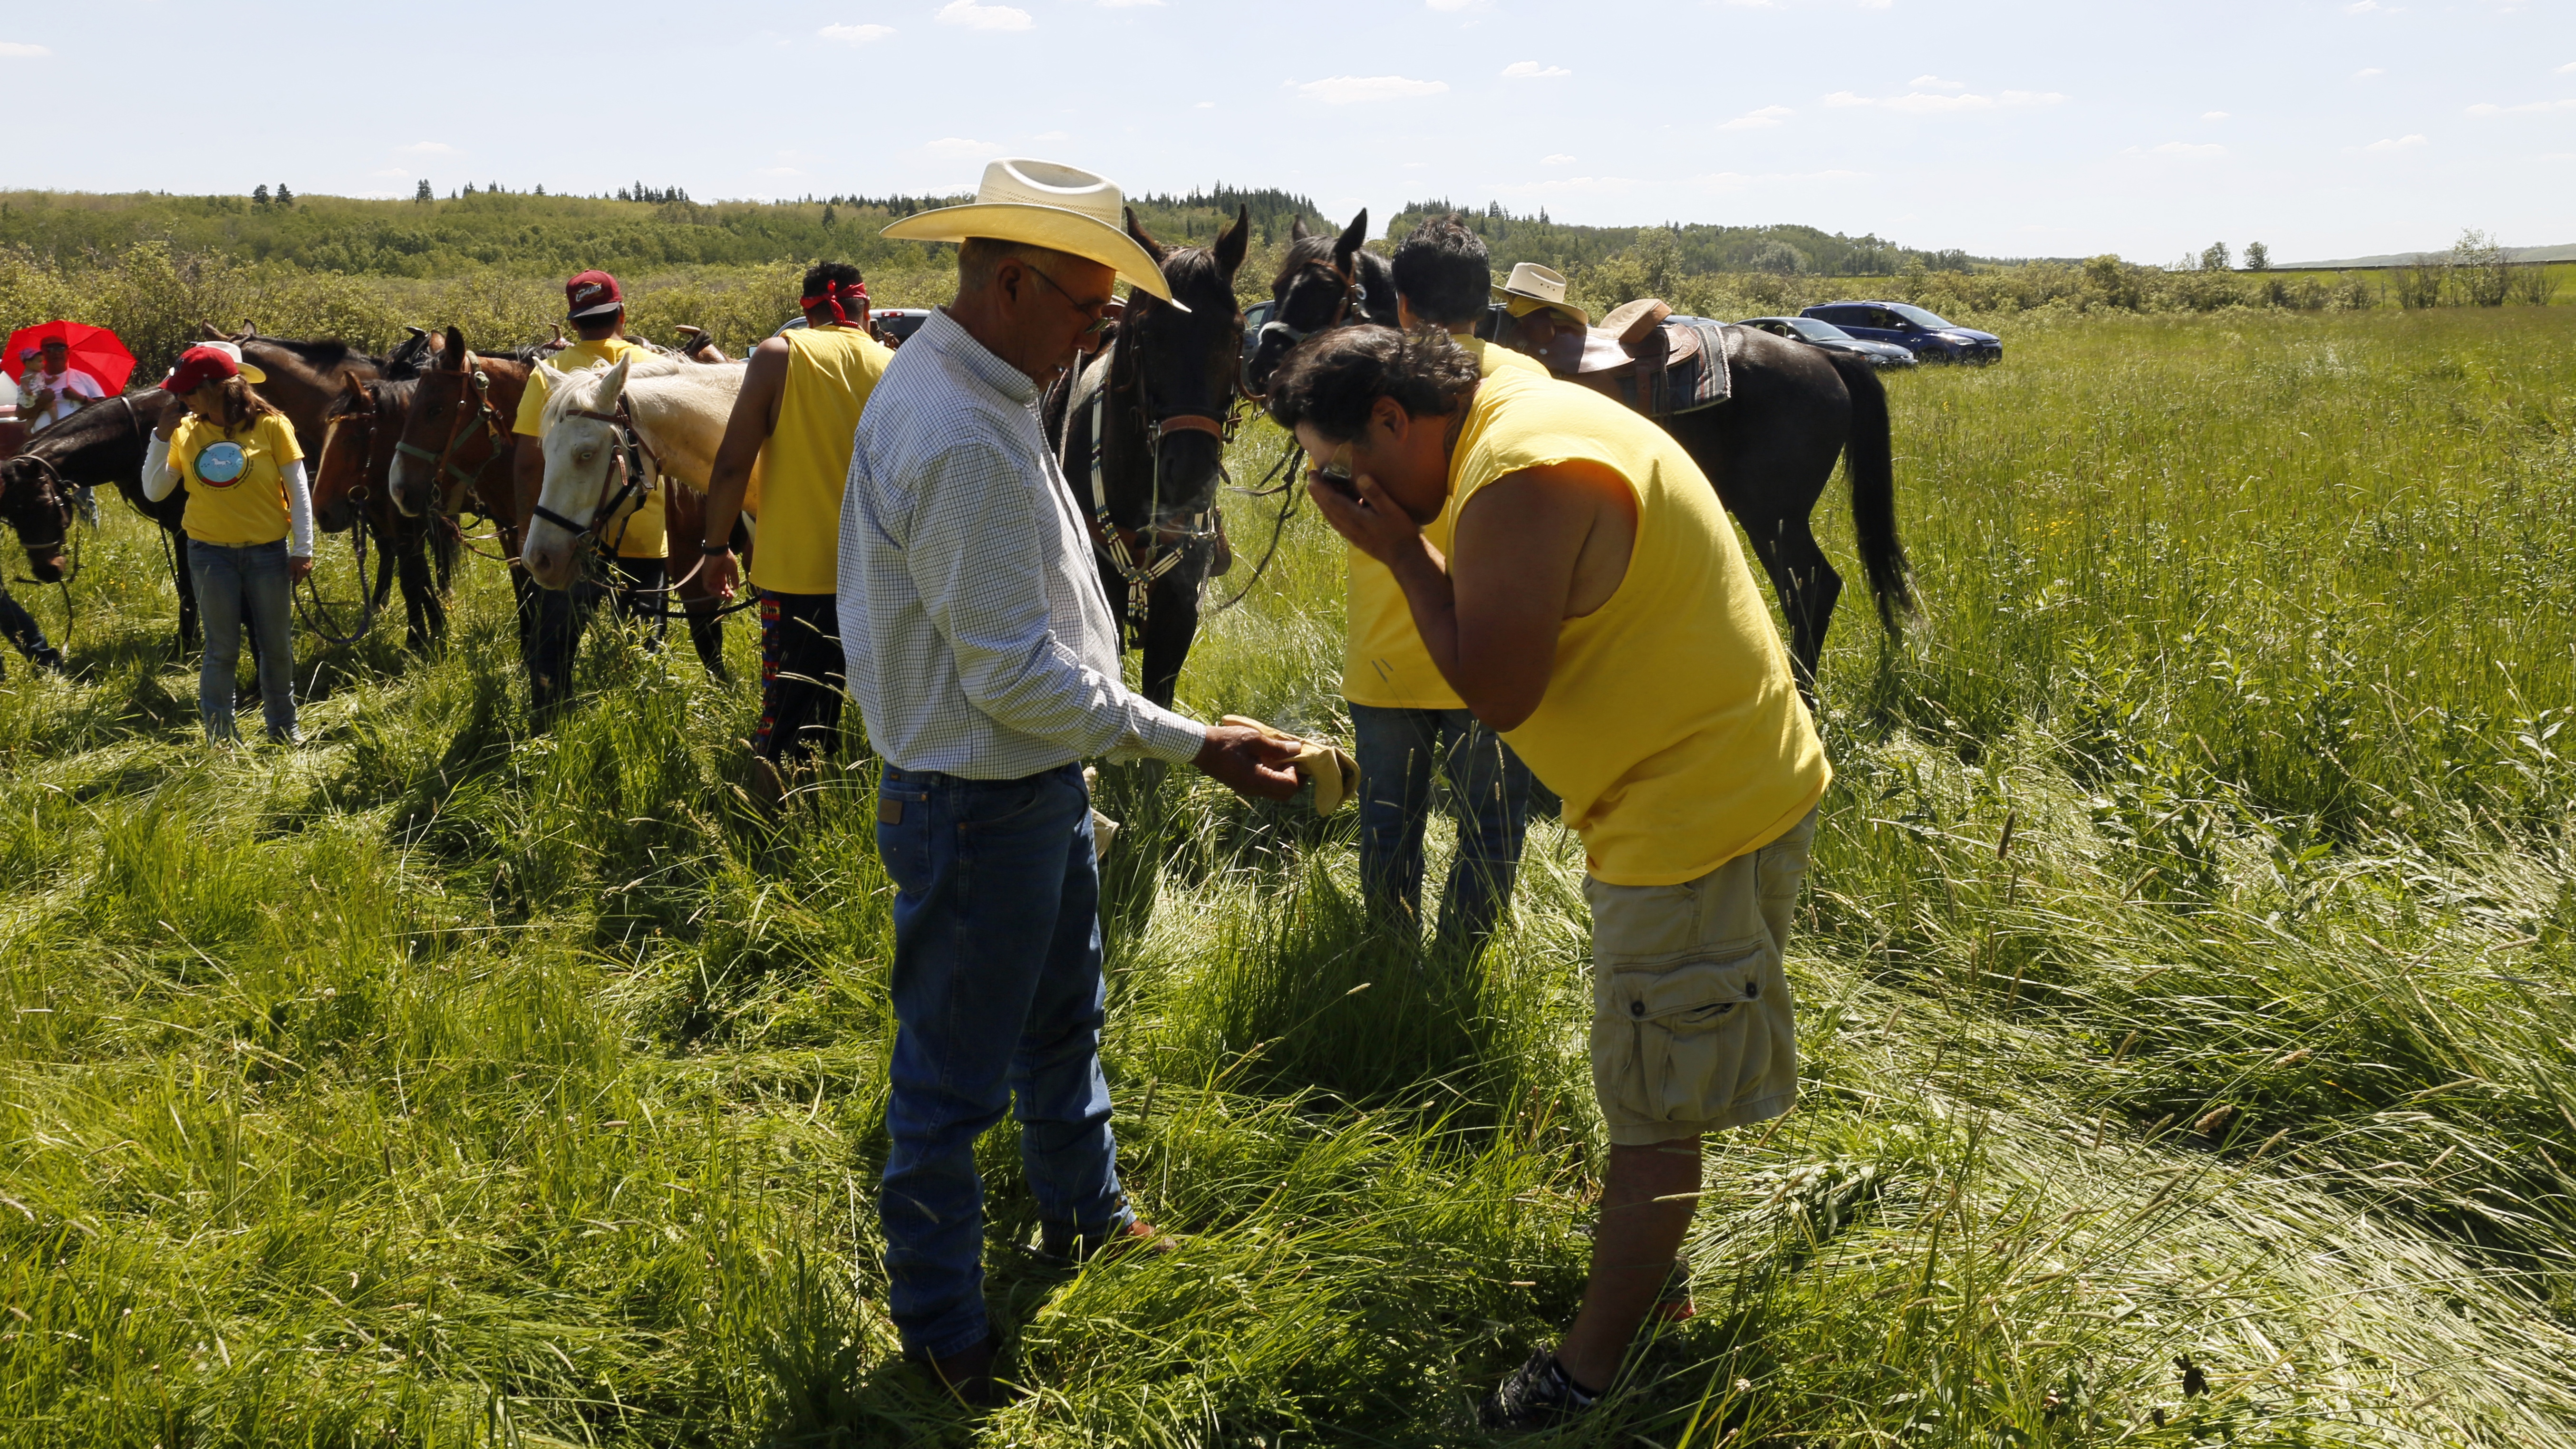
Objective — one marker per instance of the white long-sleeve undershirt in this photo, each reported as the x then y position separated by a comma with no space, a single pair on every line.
159,478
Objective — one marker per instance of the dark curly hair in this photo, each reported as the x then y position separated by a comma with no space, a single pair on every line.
1445,272
1333,378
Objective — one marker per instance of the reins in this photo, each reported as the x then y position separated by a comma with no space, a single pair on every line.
316,617
454,480
634,459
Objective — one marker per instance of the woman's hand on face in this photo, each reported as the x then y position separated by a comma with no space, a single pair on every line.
298,568
169,428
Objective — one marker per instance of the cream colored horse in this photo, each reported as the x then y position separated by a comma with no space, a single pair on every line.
678,408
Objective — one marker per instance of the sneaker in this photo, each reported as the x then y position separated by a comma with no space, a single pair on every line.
1537,1395
1069,1245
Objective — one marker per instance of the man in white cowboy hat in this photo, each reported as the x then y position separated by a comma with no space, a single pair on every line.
1544,324
983,655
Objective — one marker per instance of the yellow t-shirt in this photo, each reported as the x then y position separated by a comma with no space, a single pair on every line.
643,535
1383,661
1670,723
806,462
252,507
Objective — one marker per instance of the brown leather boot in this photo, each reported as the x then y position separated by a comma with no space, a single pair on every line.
967,1374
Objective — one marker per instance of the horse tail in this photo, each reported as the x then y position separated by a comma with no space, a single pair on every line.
1870,454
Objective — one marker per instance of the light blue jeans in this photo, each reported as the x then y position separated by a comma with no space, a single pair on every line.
1490,794
238,584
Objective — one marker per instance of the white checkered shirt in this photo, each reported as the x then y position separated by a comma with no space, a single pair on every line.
978,640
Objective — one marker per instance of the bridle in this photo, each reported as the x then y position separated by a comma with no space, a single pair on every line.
456,479
639,471
317,616
1141,557
1354,294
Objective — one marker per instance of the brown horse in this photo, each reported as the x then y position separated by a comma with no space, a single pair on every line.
360,428
1769,450
454,445
102,445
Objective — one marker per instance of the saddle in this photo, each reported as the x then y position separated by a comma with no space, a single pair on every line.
1645,356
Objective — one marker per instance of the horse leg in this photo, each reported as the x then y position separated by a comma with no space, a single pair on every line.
686,526
189,632
424,612
1172,623
1807,585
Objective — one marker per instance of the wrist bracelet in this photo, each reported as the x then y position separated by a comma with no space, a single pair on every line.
712,549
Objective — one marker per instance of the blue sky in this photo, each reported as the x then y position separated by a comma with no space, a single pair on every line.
2323,129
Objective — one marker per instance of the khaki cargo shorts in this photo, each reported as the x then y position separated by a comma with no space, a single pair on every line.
1692,1028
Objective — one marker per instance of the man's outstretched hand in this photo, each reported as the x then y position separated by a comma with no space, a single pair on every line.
1249,762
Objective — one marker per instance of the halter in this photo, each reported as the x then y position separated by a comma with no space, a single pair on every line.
630,456
1354,293
1158,547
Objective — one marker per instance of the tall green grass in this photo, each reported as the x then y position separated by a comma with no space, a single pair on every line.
2184,982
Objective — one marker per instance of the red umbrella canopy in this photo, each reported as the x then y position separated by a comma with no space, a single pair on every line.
94,350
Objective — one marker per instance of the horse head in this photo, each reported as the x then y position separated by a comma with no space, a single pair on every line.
1171,382
348,441
444,408
1324,282
585,470
38,505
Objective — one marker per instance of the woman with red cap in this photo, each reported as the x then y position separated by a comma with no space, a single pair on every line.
249,523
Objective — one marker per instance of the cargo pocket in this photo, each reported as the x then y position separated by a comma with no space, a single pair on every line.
1682,1043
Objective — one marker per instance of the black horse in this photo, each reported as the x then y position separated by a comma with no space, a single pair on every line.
101,445
1769,450
1141,434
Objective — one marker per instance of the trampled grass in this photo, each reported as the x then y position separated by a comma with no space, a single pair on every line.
2184,991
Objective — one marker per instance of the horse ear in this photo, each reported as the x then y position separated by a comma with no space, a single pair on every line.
1136,229
415,331
209,332
615,381
455,343
1231,242
350,385
1297,228
1351,239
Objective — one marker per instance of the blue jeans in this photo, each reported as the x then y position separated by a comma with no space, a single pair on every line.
237,584
1489,797
998,1000
23,631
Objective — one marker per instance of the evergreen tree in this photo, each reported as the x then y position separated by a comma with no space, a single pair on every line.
259,196
424,194
284,196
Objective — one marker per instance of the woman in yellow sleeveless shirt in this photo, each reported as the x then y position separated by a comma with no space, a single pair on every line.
1595,607
249,524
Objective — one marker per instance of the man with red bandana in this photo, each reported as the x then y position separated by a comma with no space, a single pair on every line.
785,458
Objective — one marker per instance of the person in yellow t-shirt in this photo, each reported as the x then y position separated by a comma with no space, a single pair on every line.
638,548
1408,726
249,523
1594,607
795,418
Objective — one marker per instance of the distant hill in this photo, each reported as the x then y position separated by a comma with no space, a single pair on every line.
2565,253
1703,248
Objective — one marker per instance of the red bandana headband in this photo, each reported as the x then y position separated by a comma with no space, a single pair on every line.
834,295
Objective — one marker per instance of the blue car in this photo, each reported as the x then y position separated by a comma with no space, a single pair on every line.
1923,333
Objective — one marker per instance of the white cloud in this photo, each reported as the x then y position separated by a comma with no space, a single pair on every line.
1204,106
2568,69
2213,115
1760,120
2397,143
778,171
430,148
1935,83
20,50
1560,159
1532,70
984,17
2362,7
2369,72
2533,108
1343,90
958,148
2177,148
855,34
1926,103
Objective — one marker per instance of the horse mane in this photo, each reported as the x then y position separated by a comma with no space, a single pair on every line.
410,356
322,354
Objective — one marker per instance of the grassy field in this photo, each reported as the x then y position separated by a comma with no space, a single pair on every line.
2184,995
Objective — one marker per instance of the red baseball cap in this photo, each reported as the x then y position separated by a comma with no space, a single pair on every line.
208,363
592,294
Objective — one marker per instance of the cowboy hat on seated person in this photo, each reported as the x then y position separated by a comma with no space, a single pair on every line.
1531,288
1044,204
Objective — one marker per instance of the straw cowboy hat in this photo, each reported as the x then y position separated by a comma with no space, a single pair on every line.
1531,287
1044,204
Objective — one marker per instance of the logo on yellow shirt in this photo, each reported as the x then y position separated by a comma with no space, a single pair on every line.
221,464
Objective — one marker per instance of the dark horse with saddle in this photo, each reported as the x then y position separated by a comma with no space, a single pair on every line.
1764,417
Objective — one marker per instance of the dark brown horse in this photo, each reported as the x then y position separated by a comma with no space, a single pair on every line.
101,446
1769,450
454,447
1143,444
350,483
